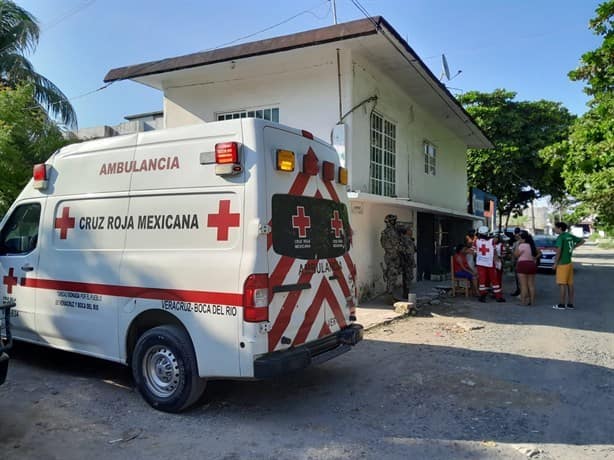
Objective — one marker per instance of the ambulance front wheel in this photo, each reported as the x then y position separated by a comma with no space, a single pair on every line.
165,370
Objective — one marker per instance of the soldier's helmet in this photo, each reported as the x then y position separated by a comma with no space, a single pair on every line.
390,219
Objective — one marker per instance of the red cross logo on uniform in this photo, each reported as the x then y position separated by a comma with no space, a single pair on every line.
64,223
223,220
301,222
10,280
336,224
484,249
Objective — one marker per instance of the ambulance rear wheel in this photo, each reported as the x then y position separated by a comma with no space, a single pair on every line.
165,370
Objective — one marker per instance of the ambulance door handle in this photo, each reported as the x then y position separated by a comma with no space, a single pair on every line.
27,268
291,287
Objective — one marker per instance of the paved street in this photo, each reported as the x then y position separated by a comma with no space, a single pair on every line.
469,380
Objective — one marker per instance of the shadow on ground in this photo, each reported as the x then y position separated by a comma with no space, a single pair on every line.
388,391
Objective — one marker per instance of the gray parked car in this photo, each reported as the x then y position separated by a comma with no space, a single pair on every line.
546,244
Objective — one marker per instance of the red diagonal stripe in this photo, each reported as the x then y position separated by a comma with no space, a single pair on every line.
350,263
340,276
283,319
324,331
331,191
281,270
222,298
310,316
334,305
300,184
325,292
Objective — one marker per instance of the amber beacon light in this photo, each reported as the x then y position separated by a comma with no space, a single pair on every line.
285,160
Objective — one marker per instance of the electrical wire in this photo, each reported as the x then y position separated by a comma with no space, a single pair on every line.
266,29
70,13
409,61
55,22
90,2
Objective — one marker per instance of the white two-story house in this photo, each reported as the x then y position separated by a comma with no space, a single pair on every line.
401,133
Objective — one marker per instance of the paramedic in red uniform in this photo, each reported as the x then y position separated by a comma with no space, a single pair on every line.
485,261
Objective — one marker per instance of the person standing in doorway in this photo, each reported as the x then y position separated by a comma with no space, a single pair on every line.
565,244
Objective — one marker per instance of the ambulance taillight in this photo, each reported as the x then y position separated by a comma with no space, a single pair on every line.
256,298
227,159
39,174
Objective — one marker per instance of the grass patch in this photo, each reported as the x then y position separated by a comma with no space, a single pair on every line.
606,243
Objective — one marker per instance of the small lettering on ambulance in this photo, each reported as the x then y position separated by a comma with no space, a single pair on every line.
81,300
199,308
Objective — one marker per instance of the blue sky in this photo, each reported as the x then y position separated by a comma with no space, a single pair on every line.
527,46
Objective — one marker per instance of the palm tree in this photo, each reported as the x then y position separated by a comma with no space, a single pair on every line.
19,33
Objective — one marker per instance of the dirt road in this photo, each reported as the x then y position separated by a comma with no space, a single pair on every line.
471,381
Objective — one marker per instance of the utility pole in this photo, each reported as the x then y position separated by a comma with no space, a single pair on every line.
334,11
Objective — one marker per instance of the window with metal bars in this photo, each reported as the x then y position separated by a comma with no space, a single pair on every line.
270,113
430,158
383,156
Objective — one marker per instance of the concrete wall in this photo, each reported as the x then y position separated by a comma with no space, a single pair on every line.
368,222
304,86
448,188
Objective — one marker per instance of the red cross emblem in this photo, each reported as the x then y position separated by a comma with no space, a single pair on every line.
301,222
64,223
484,250
336,224
10,280
223,220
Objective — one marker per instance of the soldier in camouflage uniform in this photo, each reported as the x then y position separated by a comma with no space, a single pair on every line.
407,253
390,241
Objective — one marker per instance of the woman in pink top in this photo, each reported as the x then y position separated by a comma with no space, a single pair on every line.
526,255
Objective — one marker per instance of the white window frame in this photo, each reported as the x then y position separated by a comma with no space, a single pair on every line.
383,148
430,158
264,113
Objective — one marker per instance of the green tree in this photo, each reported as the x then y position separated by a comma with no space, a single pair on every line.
514,170
597,66
587,155
19,33
27,137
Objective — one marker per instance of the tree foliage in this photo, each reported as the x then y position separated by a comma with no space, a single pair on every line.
514,170
597,66
587,156
19,33
27,137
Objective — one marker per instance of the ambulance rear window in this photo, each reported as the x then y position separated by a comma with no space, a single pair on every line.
309,228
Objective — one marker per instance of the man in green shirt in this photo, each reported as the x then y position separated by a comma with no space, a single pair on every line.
565,244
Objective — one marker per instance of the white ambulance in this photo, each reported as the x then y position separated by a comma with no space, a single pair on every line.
219,250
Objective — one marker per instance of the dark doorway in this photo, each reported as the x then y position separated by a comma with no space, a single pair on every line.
425,245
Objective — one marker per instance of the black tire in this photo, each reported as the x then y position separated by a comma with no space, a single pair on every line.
164,369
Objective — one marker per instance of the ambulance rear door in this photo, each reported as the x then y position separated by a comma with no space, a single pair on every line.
309,280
